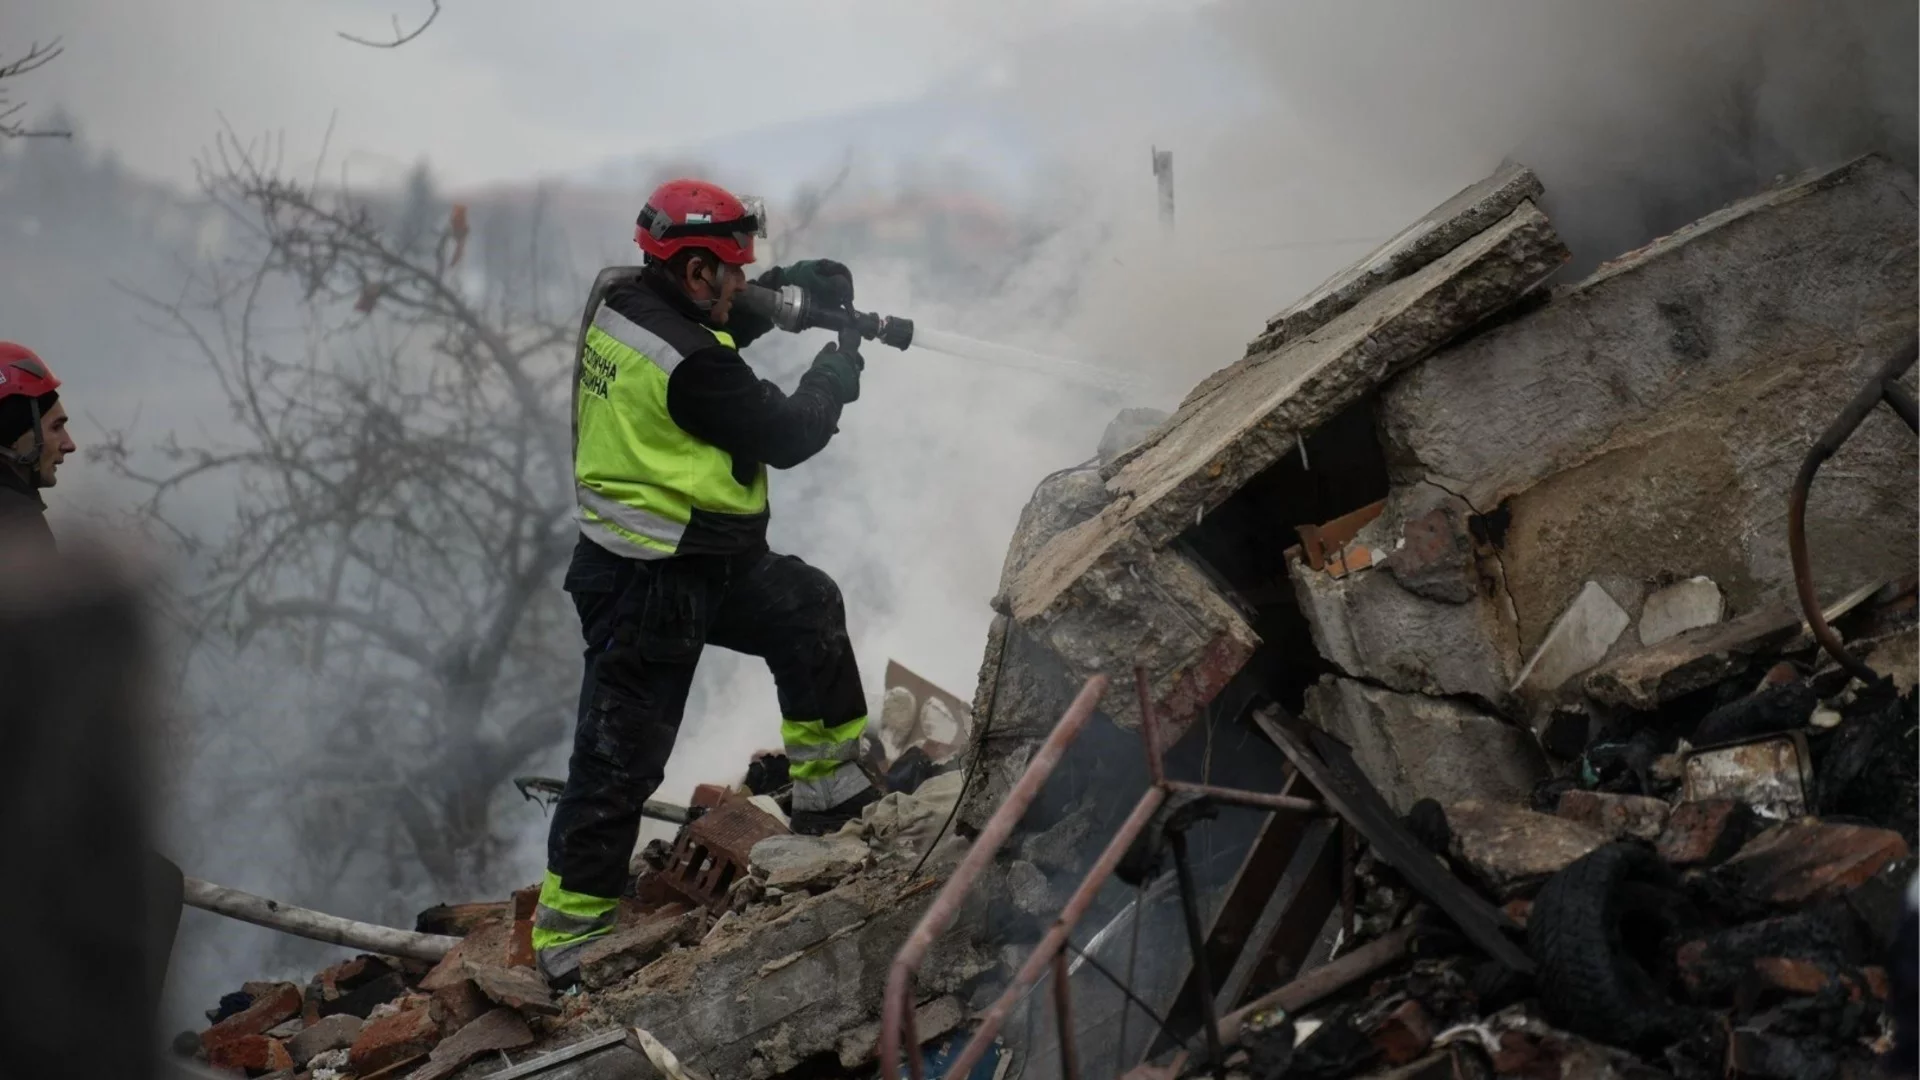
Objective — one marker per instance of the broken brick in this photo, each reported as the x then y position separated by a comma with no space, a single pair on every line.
254,1053
1405,1034
1796,864
1797,976
460,1004
1706,832
1793,976
501,1029
525,901
276,1002
1618,816
352,974
393,1039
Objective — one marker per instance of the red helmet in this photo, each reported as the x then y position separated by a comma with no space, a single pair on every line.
23,373
693,213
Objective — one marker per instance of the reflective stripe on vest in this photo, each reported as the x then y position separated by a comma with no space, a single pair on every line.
638,476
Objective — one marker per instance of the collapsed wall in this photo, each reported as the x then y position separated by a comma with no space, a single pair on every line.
1547,471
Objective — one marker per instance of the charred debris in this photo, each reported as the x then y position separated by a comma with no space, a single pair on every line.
1483,676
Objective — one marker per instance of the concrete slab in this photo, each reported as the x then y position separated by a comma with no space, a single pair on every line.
1468,213
1679,607
1649,677
1211,448
1415,747
1580,639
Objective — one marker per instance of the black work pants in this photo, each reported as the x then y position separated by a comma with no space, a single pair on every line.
645,624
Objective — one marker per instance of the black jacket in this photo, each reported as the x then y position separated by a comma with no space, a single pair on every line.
714,396
22,514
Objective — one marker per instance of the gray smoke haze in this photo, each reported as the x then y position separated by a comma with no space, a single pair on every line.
1302,133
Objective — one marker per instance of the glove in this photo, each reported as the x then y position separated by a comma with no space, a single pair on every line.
824,280
842,368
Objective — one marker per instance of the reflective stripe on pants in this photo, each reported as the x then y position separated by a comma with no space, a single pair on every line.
565,918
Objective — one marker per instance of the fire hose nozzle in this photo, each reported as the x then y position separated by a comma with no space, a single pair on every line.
791,309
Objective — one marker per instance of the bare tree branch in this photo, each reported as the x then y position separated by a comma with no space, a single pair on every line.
400,37
37,57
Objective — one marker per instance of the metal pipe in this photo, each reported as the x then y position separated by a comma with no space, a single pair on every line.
314,925
1063,1016
940,914
996,1015
1197,944
1247,798
1829,443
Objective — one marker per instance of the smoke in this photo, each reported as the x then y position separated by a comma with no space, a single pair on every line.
1302,134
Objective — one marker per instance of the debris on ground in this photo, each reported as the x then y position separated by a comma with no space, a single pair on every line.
1490,582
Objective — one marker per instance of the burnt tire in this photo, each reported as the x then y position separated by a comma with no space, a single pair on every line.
1602,933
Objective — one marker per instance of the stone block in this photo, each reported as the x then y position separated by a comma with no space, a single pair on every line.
1578,640
1679,607
1512,850
1773,775
274,1003
1156,609
809,862
1654,415
1647,678
1369,626
618,955
393,1039
1800,863
1617,816
331,1033
1415,747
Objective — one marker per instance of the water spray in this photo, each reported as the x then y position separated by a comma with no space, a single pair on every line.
792,310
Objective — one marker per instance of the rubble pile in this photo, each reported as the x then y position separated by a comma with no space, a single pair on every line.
759,951
1486,584
1520,553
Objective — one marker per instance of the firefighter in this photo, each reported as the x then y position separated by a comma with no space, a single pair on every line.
33,441
673,437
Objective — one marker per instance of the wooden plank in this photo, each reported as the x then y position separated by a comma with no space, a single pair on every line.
1290,906
1329,767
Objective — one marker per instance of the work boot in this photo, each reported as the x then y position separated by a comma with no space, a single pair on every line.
822,822
560,965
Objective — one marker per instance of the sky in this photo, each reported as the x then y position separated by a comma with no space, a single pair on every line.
501,89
